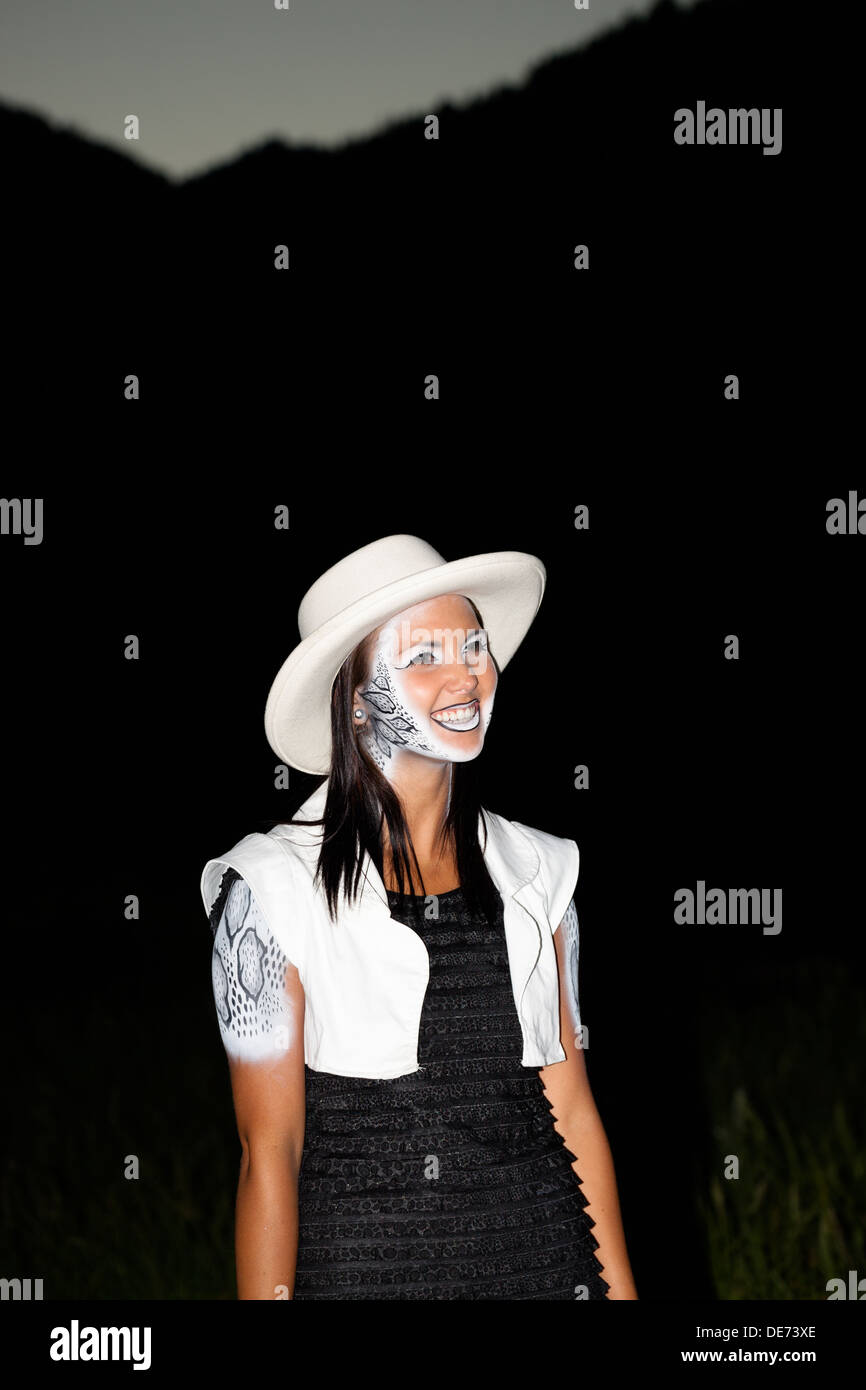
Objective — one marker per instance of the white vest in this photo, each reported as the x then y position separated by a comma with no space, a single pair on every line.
365,976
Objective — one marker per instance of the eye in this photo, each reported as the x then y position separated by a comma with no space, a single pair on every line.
417,659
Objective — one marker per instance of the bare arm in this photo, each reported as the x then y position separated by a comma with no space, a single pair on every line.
270,1112
576,1118
260,1006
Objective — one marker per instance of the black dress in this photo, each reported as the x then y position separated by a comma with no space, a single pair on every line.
450,1182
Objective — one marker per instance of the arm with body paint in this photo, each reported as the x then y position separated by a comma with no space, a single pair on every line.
260,1007
576,1118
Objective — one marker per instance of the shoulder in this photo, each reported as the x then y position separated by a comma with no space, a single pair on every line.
547,844
558,864
270,873
257,855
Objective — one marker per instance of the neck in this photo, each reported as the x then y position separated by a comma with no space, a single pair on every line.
424,789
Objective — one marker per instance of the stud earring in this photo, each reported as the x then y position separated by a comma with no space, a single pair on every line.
360,715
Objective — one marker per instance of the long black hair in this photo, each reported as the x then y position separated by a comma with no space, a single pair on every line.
360,799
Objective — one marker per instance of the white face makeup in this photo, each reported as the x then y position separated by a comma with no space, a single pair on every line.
431,688
248,974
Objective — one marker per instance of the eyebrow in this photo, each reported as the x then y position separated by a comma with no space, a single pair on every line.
426,642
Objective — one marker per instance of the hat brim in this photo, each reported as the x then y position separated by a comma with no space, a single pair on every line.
507,587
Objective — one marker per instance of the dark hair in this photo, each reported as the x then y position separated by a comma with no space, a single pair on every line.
360,798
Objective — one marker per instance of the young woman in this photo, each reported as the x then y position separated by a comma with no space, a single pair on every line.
395,970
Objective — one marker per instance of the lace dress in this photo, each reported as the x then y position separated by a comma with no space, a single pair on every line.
450,1182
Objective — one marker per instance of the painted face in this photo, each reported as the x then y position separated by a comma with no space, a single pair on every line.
431,686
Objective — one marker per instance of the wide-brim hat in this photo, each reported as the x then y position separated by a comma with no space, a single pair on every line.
357,595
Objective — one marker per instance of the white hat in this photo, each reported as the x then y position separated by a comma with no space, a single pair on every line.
357,595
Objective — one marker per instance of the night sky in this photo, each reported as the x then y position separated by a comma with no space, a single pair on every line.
208,80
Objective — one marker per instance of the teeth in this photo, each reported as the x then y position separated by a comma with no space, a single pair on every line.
453,716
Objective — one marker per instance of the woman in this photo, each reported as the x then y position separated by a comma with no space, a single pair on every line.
395,970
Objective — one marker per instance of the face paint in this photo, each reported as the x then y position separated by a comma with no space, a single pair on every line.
248,975
403,708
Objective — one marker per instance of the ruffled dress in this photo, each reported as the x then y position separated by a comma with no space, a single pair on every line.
450,1182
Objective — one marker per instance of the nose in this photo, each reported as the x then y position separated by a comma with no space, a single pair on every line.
464,681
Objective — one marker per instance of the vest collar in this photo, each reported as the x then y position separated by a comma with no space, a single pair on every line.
511,858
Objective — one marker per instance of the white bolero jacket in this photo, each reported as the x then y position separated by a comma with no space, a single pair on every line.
365,976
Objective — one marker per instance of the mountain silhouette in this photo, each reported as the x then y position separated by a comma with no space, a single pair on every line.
309,387
409,255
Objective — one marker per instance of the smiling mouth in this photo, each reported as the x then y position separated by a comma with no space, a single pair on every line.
458,717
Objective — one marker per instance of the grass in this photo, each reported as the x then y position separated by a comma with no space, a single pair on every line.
785,1084
784,1095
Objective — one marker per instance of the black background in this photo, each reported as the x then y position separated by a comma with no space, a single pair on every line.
707,518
